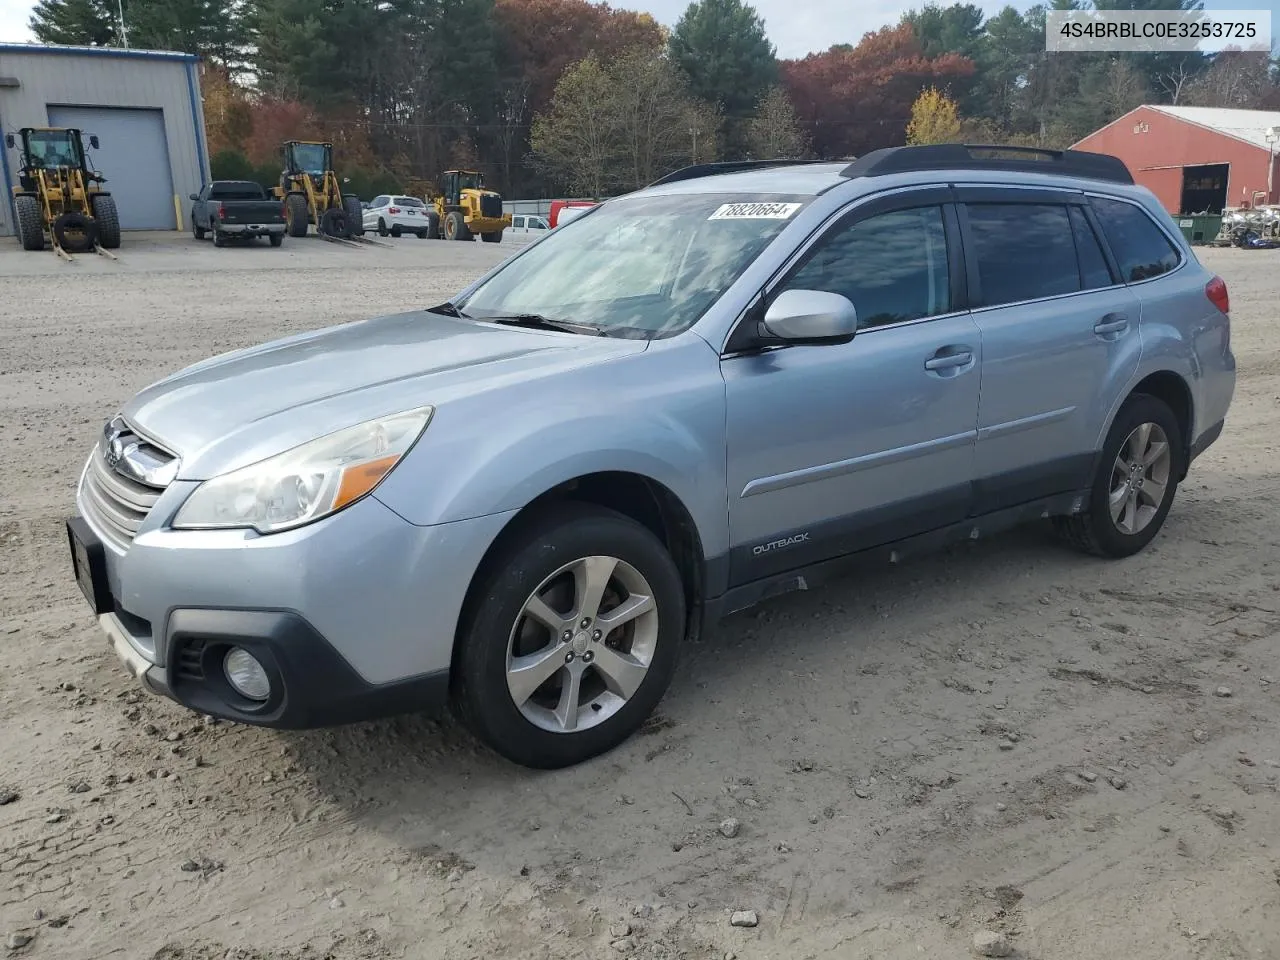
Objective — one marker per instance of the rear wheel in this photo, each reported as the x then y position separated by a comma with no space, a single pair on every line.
197,232
395,232
108,218
572,638
30,228
1135,482
219,238
276,239
297,214
355,216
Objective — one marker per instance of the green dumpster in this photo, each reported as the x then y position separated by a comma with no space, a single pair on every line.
1200,227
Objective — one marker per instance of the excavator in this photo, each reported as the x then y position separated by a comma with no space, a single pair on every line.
60,196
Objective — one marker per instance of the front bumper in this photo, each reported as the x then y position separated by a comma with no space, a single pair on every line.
354,616
311,684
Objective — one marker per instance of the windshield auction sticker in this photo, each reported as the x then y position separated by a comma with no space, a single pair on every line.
756,211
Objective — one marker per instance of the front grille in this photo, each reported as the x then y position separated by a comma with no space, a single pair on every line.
117,503
490,205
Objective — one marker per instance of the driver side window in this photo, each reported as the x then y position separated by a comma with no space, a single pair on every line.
892,266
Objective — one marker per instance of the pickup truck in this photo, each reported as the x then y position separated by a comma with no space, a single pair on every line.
236,208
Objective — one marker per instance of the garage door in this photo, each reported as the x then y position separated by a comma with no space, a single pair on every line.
133,155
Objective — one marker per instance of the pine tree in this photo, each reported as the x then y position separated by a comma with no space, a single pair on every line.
85,23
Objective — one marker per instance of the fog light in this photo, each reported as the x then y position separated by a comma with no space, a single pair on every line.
246,675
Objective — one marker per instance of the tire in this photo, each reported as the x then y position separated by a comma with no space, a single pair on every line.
355,216
219,238
1094,530
298,214
395,232
422,234
30,227
75,232
333,223
197,232
382,227
433,226
108,219
495,237
277,239
529,557
455,226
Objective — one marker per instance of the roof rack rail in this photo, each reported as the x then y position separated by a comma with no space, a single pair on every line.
725,166
953,156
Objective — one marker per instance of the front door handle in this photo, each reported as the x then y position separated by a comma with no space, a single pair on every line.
949,361
1112,323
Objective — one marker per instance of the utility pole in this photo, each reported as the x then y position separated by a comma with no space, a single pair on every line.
124,33
1272,135
693,131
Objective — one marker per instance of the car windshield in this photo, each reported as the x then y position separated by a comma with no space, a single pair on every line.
53,148
408,202
646,266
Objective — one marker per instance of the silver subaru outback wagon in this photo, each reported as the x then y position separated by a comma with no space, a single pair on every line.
730,384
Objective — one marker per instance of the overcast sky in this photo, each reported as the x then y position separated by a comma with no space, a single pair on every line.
797,27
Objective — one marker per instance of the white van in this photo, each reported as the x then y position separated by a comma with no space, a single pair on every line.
528,225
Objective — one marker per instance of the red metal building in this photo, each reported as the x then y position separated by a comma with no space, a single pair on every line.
1196,159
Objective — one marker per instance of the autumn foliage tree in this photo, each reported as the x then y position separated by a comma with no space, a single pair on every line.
935,118
856,99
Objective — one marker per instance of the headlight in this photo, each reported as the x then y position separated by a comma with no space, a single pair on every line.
308,482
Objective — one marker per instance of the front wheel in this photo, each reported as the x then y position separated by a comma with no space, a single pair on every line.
1134,483
196,230
382,227
571,639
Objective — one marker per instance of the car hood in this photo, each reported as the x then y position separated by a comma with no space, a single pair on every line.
241,407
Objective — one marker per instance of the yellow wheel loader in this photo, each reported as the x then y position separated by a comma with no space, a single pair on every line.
59,195
467,210
312,193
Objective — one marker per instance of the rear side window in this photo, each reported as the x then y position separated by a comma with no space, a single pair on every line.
893,267
1094,271
1140,247
1024,250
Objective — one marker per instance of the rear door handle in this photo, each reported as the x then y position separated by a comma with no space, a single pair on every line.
1112,323
949,361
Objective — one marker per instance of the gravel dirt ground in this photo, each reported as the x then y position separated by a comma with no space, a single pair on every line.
1054,754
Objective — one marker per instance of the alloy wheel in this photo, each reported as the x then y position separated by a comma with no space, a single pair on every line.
582,644
1140,478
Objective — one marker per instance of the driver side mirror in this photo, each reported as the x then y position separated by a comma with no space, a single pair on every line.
811,317
93,141
195,196
9,141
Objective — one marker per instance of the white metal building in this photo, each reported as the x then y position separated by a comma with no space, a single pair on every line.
143,105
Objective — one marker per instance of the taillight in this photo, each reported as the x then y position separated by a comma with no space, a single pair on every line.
393,210
1216,291
222,212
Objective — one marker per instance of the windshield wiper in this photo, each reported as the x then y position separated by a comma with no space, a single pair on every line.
537,321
